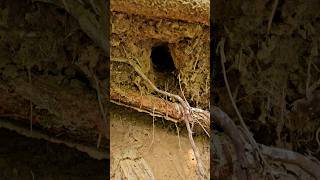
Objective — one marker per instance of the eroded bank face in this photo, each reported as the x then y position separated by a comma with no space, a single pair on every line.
153,58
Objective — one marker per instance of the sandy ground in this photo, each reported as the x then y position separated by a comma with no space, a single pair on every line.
166,160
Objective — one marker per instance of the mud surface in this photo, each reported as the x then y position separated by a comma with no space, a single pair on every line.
25,158
133,136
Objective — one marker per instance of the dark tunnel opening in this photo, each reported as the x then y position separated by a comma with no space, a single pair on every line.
161,59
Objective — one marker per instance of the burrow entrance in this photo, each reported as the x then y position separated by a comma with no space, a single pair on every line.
161,59
164,68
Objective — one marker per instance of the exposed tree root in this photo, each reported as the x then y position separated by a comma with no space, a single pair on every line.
292,158
165,109
62,103
187,10
91,151
247,132
231,130
260,152
274,8
185,112
275,154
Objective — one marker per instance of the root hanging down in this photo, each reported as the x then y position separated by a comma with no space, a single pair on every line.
30,102
177,112
244,126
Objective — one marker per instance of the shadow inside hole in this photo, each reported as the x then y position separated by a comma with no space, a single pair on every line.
161,59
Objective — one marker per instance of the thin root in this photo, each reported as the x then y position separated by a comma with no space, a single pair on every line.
178,135
185,109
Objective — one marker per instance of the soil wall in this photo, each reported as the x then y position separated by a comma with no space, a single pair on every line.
165,50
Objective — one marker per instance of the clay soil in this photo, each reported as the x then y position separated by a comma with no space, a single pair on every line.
174,55
164,49
132,137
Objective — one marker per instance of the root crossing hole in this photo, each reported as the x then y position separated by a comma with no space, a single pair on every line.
161,59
